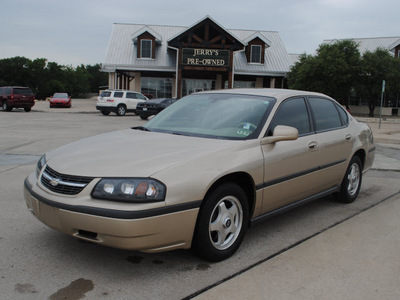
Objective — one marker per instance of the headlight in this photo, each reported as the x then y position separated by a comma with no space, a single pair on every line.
129,190
40,164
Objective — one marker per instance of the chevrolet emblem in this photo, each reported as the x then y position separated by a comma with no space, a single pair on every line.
55,181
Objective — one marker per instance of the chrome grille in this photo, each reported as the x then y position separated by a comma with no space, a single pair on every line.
63,184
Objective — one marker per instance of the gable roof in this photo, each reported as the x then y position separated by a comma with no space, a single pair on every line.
121,51
149,30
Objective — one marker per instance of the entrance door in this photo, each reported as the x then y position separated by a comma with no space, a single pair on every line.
190,86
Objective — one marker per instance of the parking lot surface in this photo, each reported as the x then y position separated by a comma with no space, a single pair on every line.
40,263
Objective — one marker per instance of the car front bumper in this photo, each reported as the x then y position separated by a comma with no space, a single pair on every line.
148,231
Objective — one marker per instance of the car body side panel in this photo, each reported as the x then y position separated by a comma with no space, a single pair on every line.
291,172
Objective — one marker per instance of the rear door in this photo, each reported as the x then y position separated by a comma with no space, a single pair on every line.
290,167
335,139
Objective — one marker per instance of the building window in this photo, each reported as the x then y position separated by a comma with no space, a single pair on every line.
196,85
145,48
255,55
153,87
241,84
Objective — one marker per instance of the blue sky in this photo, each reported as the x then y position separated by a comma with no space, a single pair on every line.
76,32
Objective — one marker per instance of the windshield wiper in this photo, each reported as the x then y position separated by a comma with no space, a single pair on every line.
140,128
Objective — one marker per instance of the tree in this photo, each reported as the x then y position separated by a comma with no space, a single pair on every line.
375,67
332,71
46,78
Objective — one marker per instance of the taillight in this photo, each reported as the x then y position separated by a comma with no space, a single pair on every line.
110,100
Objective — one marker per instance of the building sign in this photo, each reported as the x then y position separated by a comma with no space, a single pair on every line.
205,57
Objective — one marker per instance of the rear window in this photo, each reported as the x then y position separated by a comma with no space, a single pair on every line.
105,94
20,91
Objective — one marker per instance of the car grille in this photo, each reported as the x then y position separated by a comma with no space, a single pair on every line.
148,105
63,184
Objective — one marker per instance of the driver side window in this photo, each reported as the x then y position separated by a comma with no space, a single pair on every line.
292,112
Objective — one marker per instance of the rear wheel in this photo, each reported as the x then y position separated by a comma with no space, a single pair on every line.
121,110
27,109
351,183
143,117
221,223
6,107
104,112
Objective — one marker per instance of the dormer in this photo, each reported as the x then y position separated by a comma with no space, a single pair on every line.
146,41
255,48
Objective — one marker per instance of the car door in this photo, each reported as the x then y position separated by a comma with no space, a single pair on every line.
131,100
290,167
335,141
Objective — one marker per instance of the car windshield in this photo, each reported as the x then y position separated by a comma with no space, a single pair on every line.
60,95
224,116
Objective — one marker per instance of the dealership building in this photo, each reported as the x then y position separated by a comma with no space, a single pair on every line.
174,61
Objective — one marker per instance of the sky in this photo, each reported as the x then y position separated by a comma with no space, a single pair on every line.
74,32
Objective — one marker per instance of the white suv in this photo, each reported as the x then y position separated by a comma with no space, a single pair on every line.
119,101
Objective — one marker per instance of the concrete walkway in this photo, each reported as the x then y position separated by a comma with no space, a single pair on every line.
357,259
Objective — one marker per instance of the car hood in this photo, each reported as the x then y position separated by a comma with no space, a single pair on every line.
130,153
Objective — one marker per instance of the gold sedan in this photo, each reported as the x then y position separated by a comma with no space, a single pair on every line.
197,174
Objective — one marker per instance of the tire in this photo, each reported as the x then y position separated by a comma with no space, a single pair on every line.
121,110
27,109
6,107
351,183
104,112
143,117
222,223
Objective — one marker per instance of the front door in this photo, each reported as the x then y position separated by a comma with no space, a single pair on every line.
290,167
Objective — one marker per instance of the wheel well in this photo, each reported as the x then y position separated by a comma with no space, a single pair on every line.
361,155
244,180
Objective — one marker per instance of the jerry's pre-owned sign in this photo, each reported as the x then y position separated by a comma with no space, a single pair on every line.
205,57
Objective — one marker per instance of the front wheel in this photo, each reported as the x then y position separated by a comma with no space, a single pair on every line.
351,183
143,117
222,223
121,110
27,109
105,112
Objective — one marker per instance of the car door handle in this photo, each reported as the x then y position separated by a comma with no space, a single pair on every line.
348,137
312,146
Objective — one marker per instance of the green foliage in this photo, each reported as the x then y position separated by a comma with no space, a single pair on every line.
46,78
332,71
378,66
339,70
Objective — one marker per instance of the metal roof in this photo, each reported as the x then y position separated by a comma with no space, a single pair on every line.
372,44
121,52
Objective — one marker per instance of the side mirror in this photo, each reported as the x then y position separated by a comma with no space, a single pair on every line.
281,133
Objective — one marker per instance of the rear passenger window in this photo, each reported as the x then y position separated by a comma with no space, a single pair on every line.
292,112
118,94
325,114
343,115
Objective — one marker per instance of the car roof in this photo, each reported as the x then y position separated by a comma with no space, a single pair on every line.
276,93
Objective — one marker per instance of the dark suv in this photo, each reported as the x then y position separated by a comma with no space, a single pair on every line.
16,96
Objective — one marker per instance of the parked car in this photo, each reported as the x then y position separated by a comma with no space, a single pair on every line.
152,107
16,97
119,101
60,100
198,173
